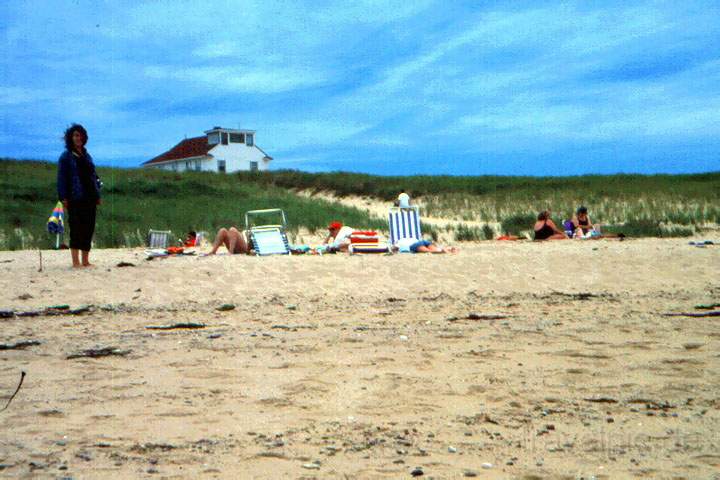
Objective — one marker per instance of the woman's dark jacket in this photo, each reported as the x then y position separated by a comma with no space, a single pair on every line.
70,184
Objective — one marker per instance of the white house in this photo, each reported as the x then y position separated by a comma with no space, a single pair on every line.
219,150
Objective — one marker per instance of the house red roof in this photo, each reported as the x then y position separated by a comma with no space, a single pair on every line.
188,148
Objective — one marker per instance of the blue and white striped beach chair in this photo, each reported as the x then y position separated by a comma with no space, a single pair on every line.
404,223
267,239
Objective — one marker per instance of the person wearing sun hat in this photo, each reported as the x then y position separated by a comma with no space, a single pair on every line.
338,236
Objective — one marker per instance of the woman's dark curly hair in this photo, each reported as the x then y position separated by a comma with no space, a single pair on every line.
75,127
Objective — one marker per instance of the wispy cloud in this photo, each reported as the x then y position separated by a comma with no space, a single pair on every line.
239,79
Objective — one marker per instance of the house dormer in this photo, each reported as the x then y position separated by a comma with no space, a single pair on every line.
226,136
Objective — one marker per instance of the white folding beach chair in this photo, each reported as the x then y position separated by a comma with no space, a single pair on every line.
404,223
267,239
159,238
200,238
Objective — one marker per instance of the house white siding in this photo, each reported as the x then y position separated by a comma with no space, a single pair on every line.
238,157
220,150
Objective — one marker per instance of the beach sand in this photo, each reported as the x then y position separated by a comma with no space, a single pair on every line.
507,360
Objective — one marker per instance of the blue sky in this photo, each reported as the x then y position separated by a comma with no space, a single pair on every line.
375,86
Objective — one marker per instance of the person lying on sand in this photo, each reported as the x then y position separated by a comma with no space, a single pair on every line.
338,238
412,245
233,239
545,228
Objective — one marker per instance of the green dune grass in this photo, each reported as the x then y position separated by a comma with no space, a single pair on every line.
136,200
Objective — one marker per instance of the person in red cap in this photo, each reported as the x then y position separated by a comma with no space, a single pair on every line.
338,236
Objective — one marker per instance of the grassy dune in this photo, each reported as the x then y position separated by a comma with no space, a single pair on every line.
136,200
639,205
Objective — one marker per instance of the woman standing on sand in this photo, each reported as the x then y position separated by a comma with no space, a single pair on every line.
79,191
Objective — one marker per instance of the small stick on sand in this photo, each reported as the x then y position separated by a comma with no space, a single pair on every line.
19,345
175,325
693,314
40,253
99,352
22,377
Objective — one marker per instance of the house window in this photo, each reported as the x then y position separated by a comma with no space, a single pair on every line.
221,166
213,138
224,138
175,167
187,165
237,138
250,139
197,165
253,166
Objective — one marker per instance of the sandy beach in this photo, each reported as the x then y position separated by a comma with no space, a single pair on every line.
508,360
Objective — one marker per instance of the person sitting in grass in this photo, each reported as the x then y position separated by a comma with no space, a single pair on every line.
233,239
412,245
545,228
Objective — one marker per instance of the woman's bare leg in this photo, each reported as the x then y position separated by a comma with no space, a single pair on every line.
75,255
437,249
220,239
86,259
238,244
232,240
242,244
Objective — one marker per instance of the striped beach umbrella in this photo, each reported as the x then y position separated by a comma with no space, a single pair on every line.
56,223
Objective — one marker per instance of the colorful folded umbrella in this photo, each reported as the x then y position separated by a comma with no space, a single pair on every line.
56,222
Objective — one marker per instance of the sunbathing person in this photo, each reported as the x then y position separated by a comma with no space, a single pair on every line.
338,238
582,226
545,228
413,245
233,239
190,239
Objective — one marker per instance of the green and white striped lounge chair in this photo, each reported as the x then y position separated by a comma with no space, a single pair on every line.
404,223
267,239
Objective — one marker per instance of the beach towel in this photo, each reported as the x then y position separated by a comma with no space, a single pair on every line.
367,241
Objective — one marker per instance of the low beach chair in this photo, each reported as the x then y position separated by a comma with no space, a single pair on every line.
267,239
200,239
404,223
159,238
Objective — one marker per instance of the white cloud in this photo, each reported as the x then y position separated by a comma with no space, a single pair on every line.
240,79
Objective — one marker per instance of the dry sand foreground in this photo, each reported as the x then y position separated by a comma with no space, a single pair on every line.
367,366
